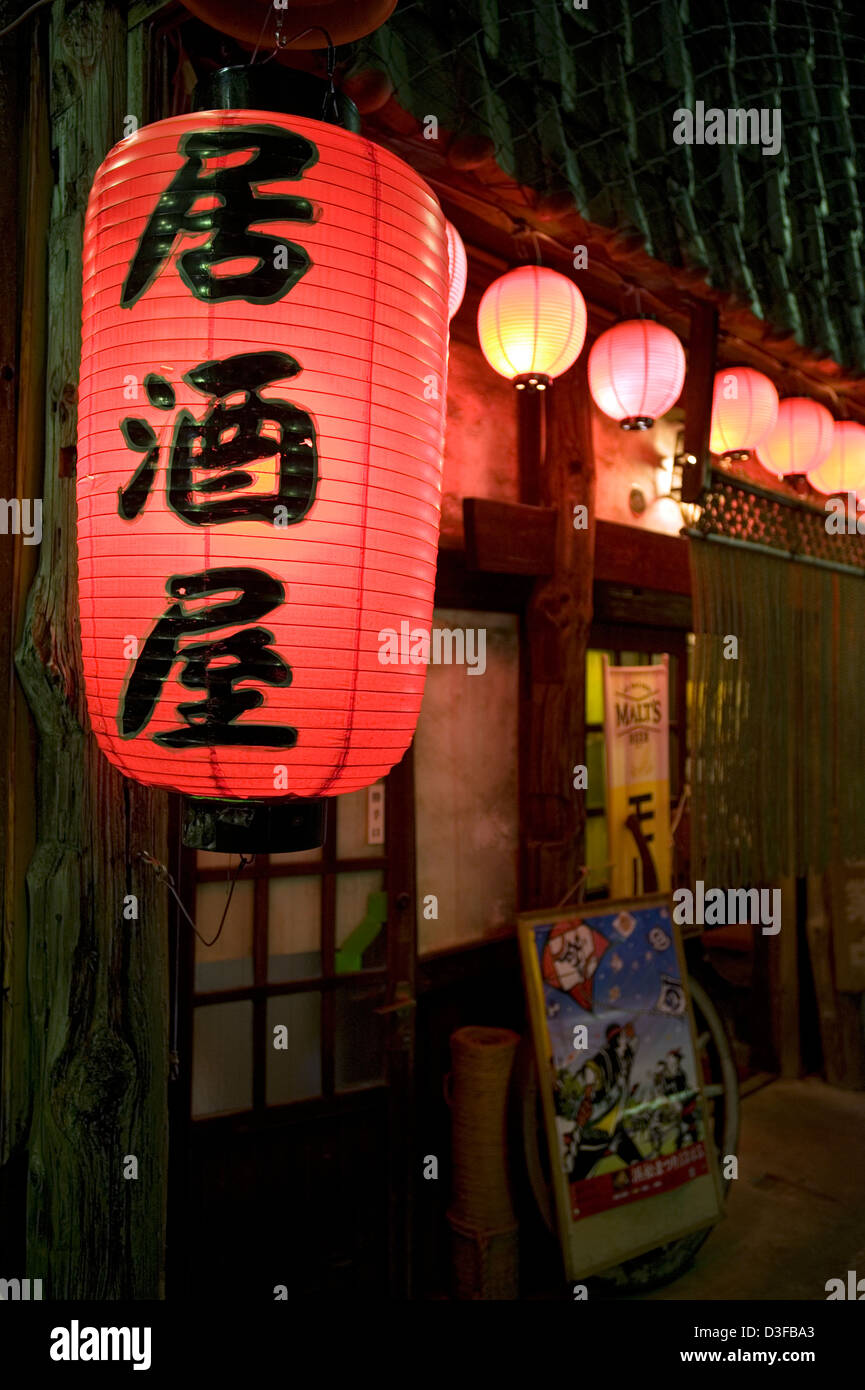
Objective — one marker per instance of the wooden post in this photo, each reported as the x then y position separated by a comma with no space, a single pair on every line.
13,1112
94,1025
699,389
400,1014
784,983
552,704
531,442
839,1013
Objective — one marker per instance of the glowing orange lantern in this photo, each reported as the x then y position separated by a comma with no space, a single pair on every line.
744,410
800,440
843,468
532,325
457,269
260,447
636,372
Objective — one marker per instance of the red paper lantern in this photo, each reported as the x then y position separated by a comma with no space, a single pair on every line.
744,410
843,468
260,446
532,325
636,372
800,440
457,269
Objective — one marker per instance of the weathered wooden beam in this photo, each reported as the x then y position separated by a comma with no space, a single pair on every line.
96,1021
784,986
619,603
839,1014
509,538
400,1017
458,586
11,104
531,442
552,703
640,558
699,386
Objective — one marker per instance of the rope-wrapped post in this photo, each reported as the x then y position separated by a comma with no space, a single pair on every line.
481,1216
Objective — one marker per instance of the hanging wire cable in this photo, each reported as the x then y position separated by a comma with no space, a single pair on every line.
163,874
40,5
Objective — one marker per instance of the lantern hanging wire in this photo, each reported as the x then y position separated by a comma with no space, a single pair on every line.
281,42
162,873
13,24
632,291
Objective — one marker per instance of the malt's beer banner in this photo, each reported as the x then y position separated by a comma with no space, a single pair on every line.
637,739
261,417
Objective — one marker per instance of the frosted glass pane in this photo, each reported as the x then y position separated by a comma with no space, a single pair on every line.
294,918
351,826
466,788
204,859
293,1071
597,772
222,1058
228,962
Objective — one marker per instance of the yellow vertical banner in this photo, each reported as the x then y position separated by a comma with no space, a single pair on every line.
637,741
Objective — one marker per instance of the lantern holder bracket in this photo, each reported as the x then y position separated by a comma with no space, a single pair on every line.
532,381
254,827
292,91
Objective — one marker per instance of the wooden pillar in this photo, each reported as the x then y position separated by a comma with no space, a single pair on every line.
839,1011
401,1022
13,1115
94,1024
698,396
552,704
784,984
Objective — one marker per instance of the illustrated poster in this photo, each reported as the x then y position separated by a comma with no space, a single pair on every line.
625,1112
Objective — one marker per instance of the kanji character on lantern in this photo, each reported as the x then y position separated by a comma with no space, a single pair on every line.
278,155
228,435
211,721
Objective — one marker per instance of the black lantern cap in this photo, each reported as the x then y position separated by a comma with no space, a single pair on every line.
254,827
273,87
532,381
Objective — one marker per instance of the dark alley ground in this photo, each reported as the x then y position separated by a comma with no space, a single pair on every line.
796,1216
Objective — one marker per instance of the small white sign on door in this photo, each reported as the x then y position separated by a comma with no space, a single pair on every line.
375,814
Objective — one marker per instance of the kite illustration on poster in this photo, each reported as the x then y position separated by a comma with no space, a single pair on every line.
625,1116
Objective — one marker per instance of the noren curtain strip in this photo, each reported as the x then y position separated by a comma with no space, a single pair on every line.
777,737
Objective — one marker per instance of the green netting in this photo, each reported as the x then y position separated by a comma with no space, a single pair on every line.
582,101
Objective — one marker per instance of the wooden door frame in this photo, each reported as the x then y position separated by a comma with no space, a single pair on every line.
399,872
